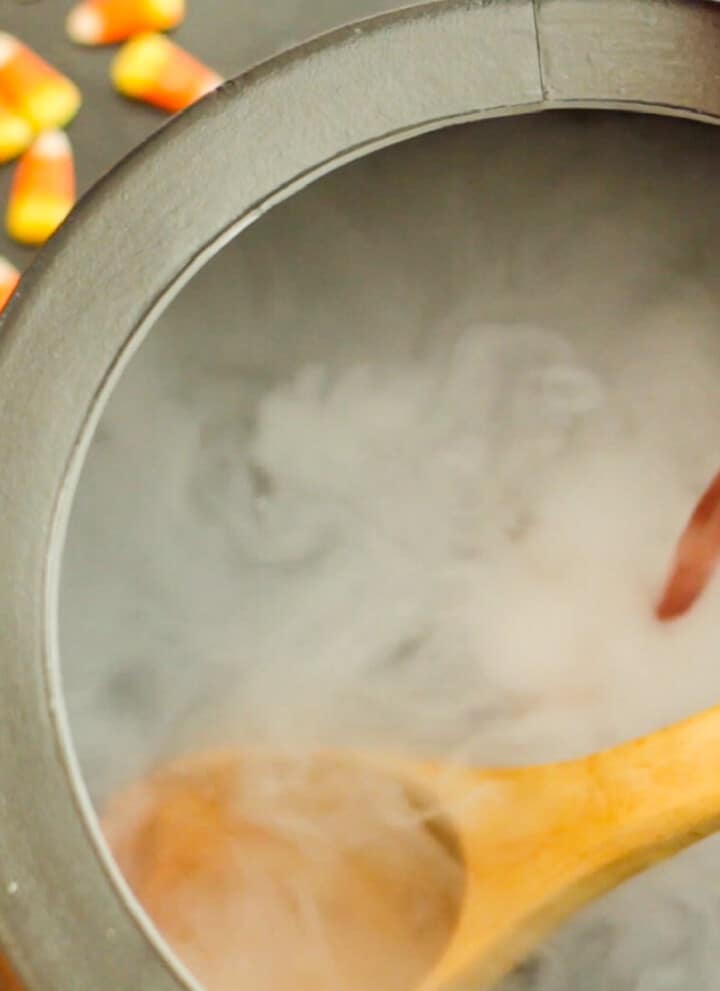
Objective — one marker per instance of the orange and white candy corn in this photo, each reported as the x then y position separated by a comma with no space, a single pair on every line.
153,69
43,189
33,88
15,133
8,980
9,278
104,22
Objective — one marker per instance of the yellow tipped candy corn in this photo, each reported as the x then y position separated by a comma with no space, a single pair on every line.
15,133
8,980
103,22
33,88
153,69
43,189
9,278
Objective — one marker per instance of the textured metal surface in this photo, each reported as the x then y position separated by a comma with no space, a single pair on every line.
615,52
98,287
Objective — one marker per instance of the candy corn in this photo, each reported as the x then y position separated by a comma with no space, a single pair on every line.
9,278
43,189
103,22
153,69
15,133
34,89
8,981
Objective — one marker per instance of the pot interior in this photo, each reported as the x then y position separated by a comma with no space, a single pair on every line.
403,468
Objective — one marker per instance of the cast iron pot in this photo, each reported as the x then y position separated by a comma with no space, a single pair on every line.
66,918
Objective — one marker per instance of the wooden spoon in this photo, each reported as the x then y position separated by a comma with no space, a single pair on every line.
535,843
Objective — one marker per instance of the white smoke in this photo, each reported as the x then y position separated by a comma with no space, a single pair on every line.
405,468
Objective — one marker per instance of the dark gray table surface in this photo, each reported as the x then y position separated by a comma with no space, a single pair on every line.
228,34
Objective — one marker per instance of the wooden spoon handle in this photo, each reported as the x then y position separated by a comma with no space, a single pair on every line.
541,842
